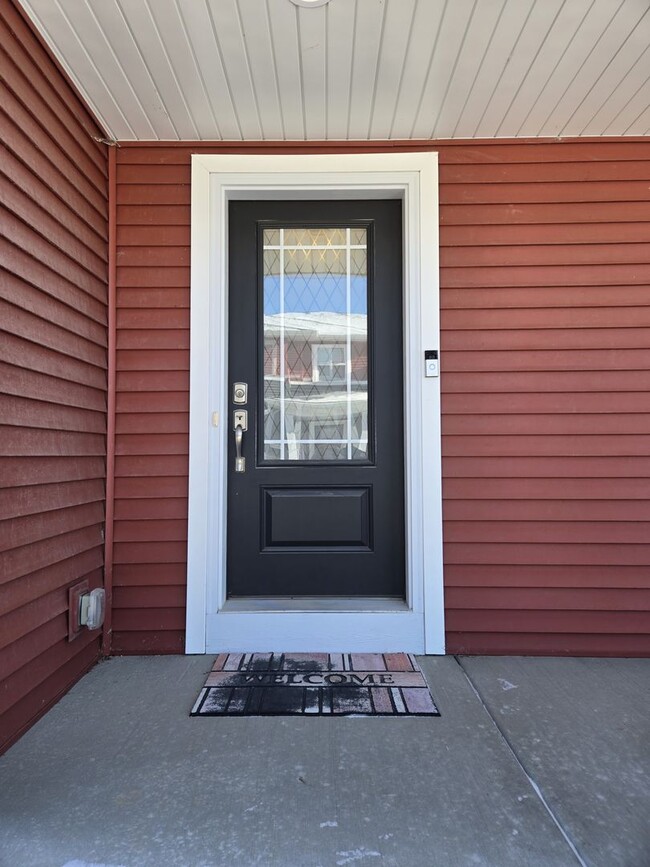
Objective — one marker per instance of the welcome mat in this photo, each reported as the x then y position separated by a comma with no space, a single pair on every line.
315,684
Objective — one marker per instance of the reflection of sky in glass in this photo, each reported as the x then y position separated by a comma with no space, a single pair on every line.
315,293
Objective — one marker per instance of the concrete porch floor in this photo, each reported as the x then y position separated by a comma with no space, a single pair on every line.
534,761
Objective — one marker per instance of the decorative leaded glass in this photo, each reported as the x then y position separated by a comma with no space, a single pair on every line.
315,344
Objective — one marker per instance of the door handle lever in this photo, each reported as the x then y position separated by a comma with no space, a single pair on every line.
240,462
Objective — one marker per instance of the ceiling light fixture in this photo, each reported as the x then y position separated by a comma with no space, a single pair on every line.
308,3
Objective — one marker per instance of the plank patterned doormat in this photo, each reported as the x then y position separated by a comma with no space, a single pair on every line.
315,684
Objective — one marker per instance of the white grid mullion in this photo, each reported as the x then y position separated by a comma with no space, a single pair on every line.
315,247
359,440
348,310
283,435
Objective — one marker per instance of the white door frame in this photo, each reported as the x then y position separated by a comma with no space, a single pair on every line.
214,623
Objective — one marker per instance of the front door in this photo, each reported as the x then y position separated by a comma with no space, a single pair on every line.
316,415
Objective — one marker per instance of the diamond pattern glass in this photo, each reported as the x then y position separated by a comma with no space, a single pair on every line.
315,344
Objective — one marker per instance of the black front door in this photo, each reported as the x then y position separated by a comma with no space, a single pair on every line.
316,500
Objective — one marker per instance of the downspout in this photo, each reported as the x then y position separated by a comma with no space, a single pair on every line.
110,408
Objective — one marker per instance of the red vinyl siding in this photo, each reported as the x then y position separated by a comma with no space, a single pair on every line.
545,266
53,307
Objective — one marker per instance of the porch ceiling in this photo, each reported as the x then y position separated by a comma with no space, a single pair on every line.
355,69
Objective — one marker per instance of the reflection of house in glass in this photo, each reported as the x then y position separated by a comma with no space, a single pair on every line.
315,386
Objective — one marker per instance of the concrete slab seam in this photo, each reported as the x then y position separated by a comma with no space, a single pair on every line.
535,787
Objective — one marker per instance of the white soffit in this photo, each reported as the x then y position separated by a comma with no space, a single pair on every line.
355,69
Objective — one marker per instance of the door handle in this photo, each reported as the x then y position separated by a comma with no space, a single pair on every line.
240,462
240,424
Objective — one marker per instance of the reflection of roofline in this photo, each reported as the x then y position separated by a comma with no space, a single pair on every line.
306,407
320,324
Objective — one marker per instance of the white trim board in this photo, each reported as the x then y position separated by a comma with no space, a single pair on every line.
213,625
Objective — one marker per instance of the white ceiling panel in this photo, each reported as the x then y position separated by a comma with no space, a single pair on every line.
398,25
286,58
420,54
495,56
636,107
450,39
258,46
368,37
520,58
156,55
145,112
559,42
628,99
209,61
599,97
584,23
341,19
230,44
312,47
355,69
615,32
482,24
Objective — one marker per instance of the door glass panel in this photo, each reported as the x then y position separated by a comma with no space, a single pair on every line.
315,344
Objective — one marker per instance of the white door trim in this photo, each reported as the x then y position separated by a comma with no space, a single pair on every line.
212,624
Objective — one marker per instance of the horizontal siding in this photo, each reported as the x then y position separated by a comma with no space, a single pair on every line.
149,572
53,312
545,330
545,267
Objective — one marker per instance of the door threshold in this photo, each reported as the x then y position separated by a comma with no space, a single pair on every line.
316,604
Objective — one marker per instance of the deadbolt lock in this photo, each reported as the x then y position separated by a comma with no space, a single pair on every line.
240,393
